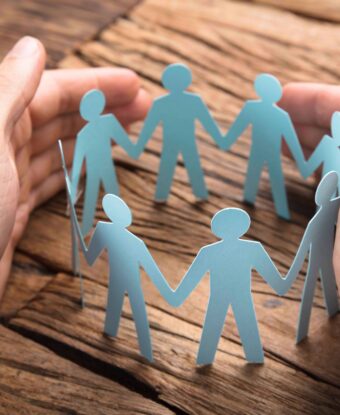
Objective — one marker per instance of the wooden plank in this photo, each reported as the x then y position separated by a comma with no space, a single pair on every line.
226,52
34,380
27,278
328,9
229,384
59,28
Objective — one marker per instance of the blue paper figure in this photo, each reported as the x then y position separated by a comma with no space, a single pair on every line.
94,148
318,240
74,240
177,112
269,125
230,262
127,254
327,153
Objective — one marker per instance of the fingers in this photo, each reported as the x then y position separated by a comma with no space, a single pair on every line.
69,125
51,186
311,104
20,74
49,161
310,136
61,90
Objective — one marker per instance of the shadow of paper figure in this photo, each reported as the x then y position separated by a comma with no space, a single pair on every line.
318,241
94,149
127,254
327,153
230,263
178,112
269,125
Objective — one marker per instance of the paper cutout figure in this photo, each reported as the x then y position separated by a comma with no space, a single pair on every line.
318,240
74,241
327,153
269,124
230,262
94,148
177,112
127,254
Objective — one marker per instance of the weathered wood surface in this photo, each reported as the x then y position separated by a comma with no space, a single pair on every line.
34,380
229,43
60,25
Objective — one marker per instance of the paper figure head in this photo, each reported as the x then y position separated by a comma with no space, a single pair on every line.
268,88
92,104
335,125
230,223
327,188
117,210
176,77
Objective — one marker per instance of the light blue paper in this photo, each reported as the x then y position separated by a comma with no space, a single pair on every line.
74,241
327,153
127,254
177,112
230,263
94,148
318,240
269,125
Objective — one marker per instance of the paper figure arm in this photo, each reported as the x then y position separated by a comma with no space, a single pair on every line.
120,136
78,160
191,279
316,159
152,120
268,270
237,128
293,143
298,260
209,123
151,268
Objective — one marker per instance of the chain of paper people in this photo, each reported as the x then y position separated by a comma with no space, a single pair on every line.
229,261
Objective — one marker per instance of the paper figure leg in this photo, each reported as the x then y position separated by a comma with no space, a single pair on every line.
212,330
279,190
141,320
114,307
329,288
195,173
110,181
90,203
246,321
251,186
307,300
165,175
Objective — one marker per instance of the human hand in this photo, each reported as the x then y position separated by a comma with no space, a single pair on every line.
37,108
311,107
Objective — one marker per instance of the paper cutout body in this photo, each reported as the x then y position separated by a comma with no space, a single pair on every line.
318,241
94,148
269,124
177,112
74,241
327,153
127,254
230,262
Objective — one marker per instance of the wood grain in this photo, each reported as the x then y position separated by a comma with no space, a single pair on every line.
34,380
61,28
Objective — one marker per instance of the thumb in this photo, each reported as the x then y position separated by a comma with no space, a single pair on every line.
20,74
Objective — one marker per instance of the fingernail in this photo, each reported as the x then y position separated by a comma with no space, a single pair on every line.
26,46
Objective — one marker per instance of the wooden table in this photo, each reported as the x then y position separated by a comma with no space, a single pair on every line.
54,357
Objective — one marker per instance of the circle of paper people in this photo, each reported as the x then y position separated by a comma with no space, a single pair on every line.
229,261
